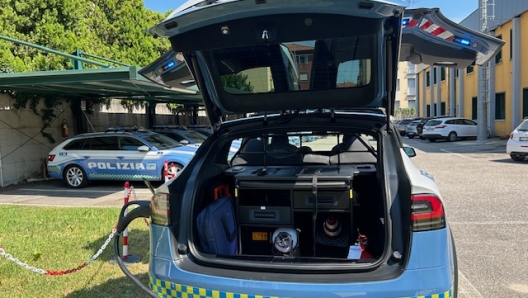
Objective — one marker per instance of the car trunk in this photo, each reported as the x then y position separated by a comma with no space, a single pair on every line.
348,229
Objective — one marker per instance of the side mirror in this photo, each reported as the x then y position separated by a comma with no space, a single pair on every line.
184,142
409,151
143,148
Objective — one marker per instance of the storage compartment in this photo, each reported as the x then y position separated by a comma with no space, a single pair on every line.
277,221
326,199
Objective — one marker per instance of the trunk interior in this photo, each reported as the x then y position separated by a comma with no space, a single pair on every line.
306,199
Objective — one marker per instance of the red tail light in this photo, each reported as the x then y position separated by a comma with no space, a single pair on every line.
427,213
51,157
511,135
160,209
440,126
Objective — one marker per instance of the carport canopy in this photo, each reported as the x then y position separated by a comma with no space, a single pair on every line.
122,83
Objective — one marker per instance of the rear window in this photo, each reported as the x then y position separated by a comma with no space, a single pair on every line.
160,141
433,123
523,126
195,136
405,122
295,66
413,123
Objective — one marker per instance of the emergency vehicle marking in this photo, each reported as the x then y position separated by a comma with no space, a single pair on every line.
117,166
168,289
424,173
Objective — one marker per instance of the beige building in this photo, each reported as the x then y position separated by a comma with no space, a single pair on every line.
406,87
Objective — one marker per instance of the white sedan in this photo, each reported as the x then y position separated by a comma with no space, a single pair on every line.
450,129
517,146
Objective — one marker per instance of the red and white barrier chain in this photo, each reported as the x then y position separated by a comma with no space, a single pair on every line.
62,272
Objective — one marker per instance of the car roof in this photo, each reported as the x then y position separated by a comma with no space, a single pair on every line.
113,133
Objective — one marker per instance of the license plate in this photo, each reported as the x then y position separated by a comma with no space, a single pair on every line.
523,139
259,236
430,128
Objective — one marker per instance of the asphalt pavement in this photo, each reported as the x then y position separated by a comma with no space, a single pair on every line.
484,192
483,189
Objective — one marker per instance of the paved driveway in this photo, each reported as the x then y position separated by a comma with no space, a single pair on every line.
485,194
56,193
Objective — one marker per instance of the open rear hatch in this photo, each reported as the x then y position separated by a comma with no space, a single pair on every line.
275,55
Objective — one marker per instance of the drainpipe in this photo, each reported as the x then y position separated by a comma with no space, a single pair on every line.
1,172
491,86
431,90
516,73
461,98
452,99
424,93
438,91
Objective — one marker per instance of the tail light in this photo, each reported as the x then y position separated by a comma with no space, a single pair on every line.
511,135
427,213
160,209
440,126
51,157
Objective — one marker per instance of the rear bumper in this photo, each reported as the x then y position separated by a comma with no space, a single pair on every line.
429,273
433,135
517,147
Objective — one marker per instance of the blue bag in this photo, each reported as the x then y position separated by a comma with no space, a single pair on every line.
217,229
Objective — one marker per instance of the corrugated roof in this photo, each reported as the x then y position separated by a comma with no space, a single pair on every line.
122,82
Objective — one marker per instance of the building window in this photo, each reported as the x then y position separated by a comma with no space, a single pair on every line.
442,74
500,106
428,79
456,72
474,108
398,85
303,77
434,76
511,44
498,57
303,59
469,69
443,109
428,110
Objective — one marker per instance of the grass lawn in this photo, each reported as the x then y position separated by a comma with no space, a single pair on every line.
64,238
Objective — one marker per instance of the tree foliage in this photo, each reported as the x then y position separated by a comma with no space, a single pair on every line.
237,81
113,29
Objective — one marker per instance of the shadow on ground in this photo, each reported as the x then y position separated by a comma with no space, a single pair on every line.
138,245
116,287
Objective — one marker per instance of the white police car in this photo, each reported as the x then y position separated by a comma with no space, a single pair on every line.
279,220
127,156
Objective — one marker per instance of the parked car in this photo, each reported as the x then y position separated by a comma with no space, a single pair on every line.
283,222
412,129
206,131
181,134
402,126
517,145
451,129
116,155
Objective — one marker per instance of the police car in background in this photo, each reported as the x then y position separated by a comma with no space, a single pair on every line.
116,155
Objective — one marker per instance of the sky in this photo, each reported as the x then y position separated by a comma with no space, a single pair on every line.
456,10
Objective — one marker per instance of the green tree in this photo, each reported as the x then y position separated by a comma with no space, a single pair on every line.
237,81
112,29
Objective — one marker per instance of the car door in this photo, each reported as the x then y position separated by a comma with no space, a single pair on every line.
470,127
99,157
135,164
